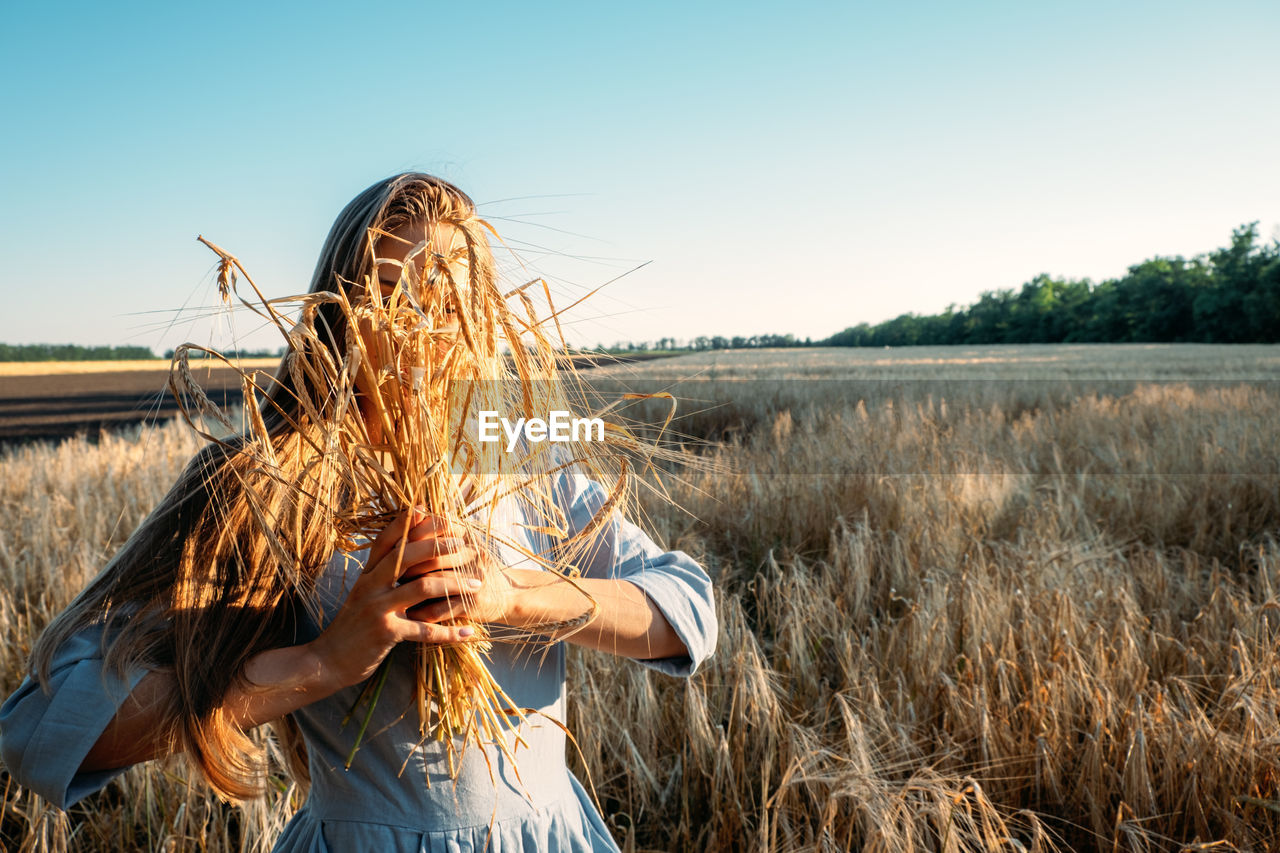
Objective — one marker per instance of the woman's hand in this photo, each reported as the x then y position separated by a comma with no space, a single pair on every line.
487,592
408,563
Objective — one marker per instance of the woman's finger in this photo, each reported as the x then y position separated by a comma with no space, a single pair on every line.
429,632
390,537
441,609
429,524
436,585
462,559
428,555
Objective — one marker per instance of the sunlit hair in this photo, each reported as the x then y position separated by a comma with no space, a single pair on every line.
205,584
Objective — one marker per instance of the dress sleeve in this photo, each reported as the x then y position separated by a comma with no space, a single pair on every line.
673,580
44,737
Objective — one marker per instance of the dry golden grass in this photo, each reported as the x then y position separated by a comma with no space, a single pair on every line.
954,615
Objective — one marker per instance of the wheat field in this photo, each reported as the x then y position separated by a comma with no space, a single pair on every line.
1000,598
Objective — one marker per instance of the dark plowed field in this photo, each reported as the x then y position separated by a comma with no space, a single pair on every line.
60,405
56,406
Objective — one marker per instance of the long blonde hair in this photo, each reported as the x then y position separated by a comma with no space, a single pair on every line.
199,588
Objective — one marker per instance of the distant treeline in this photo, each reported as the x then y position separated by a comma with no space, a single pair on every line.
1229,295
71,352
233,354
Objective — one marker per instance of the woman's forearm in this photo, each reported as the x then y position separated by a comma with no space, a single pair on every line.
627,622
281,681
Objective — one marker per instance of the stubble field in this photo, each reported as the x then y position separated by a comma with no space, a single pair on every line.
970,599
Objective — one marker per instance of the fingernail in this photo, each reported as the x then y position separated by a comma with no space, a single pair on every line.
466,632
475,583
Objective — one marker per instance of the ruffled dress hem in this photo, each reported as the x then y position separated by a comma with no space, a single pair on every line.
568,825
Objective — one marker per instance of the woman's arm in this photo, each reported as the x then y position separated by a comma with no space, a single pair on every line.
627,622
286,679
672,581
371,622
653,605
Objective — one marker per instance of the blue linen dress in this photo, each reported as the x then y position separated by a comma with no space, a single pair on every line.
384,801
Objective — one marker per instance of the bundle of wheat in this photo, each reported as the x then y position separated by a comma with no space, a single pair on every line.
384,421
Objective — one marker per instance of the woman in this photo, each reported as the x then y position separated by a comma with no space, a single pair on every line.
193,634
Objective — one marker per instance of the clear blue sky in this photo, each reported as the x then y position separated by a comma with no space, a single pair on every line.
791,167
